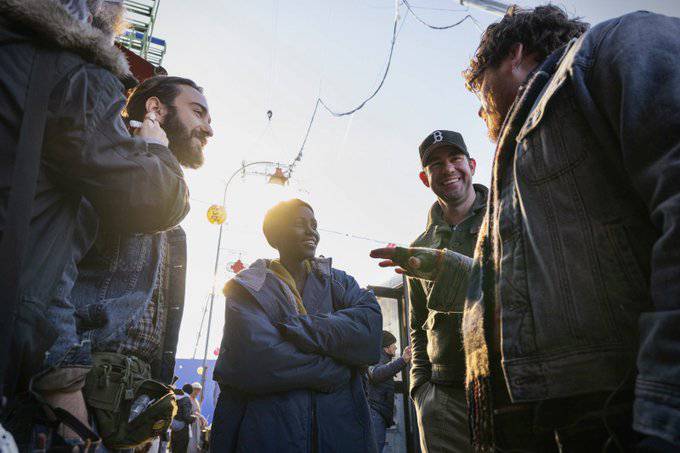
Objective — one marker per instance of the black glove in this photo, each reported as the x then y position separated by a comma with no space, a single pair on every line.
419,262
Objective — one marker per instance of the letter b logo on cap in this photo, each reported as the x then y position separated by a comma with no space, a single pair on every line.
438,137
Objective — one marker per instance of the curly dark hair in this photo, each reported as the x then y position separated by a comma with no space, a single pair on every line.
541,31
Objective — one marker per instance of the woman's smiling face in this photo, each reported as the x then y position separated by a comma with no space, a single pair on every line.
300,236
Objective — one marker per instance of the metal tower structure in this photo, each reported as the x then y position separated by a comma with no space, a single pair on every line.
141,16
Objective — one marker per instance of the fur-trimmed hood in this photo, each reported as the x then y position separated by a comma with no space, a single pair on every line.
49,21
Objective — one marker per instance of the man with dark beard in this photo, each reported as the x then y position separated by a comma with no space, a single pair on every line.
182,111
571,321
123,296
571,324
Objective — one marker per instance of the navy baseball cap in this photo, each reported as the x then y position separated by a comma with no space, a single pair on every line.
439,139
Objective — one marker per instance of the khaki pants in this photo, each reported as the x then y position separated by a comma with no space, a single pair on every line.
442,419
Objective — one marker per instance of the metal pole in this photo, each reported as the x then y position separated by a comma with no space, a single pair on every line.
217,261
491,6
212,298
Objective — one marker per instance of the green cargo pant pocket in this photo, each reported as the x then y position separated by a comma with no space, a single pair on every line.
129,407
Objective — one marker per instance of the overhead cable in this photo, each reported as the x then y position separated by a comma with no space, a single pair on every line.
434,27
320,102
200,329
356,236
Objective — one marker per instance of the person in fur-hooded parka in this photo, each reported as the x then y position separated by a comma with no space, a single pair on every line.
134,183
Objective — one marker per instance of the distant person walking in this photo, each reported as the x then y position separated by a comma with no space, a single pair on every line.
181,434
199,422
381,386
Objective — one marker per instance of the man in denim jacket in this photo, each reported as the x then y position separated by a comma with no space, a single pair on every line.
124,293
571,320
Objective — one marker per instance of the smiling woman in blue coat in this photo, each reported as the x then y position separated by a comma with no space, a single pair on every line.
296,335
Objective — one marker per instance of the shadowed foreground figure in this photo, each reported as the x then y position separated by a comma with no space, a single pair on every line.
63,144
296,334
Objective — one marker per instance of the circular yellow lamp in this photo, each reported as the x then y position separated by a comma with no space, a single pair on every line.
216,214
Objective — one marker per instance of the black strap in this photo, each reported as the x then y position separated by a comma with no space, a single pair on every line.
89,437
20,203
57,415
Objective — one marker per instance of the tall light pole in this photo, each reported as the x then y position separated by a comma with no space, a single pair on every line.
276,178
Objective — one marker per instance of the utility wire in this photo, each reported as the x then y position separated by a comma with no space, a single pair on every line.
434,27
273,74
355,236
200,329
320,101
395,32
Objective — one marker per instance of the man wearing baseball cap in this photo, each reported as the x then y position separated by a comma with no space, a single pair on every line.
438,363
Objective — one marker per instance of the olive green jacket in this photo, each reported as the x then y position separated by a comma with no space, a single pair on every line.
436,307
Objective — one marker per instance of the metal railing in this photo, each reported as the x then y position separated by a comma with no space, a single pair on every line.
141,16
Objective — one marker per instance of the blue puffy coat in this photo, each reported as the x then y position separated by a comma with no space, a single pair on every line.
291,382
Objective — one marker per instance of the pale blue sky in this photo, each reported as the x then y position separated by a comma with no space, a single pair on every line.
360,173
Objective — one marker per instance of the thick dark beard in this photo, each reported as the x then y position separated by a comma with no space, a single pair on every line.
494,118
494,124
501,102
180,141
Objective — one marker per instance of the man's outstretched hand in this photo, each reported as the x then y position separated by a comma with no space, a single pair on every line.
419,262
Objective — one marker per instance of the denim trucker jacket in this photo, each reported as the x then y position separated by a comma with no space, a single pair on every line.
586,258
111,285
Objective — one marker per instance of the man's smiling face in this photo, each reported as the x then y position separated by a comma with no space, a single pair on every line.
187,124
449,174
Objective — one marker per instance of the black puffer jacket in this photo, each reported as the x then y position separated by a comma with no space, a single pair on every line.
87,151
